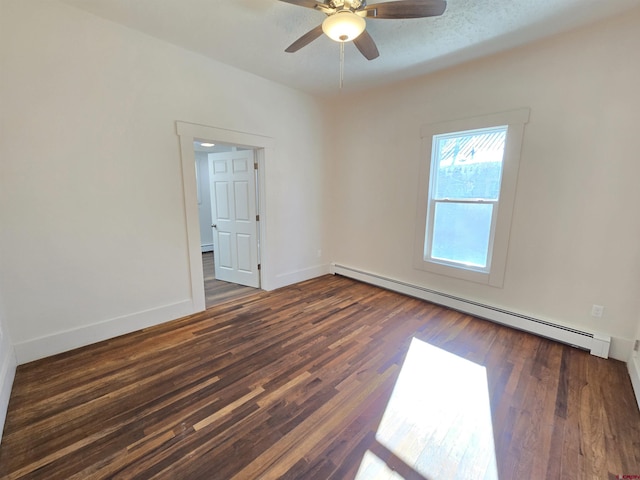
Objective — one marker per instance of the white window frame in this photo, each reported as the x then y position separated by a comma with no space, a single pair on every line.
493,274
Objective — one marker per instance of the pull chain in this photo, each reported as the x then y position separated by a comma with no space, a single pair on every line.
341,64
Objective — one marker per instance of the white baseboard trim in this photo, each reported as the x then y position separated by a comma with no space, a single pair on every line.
208,247
55,343
634,372
7,374
289,278
596,343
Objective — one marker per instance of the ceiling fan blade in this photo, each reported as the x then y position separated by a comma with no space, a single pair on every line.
366,45
305,40
406,9
305,3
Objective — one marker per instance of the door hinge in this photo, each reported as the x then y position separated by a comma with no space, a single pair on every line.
257,218
259,266
255,166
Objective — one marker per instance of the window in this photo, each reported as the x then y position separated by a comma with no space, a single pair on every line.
467,191
463,197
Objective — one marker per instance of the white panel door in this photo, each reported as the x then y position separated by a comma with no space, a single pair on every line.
233,210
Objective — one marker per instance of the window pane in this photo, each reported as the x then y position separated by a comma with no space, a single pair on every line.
469,165
461,232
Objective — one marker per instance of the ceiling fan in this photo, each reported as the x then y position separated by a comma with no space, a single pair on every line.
345,20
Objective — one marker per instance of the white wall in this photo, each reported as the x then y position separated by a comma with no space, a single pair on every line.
90,180
204,199
97,244
575,230
7,367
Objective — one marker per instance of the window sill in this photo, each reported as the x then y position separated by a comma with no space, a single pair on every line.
484,278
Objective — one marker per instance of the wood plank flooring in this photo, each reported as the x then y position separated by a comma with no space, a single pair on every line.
326,379
217,291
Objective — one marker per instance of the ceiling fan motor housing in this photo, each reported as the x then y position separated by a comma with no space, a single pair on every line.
348,4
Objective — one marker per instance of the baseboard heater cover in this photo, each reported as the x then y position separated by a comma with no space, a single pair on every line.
595,343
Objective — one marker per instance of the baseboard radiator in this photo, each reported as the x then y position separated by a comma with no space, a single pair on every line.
595,343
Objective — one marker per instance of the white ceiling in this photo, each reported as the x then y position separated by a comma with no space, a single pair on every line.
252,35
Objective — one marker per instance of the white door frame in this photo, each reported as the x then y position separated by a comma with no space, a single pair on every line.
264,149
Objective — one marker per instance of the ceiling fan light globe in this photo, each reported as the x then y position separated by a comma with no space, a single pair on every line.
343,26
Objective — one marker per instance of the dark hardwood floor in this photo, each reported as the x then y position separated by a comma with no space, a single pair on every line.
217,291
329,378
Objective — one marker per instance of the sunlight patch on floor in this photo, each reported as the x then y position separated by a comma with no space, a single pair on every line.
437,423
373,466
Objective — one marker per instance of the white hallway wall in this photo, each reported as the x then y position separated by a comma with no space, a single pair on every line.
204,199
91,191
575,231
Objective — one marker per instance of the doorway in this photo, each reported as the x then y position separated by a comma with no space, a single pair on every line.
264,148
227,192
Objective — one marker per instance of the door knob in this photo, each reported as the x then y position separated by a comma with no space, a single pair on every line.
214,225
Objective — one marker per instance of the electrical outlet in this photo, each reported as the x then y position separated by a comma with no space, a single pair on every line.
319,253
597,311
